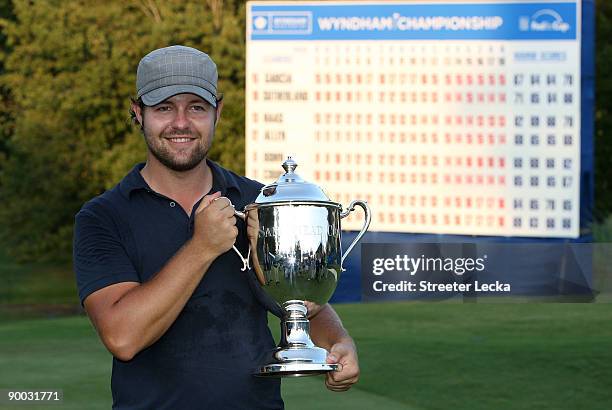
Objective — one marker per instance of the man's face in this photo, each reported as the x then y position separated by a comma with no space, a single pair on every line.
179,131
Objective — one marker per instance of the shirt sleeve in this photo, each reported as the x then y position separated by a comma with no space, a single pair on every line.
99,255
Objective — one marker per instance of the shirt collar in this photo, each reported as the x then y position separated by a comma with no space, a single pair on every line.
222,178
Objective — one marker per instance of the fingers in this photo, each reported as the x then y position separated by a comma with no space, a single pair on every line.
224,206
207,200
347,374
215,224
222,202
313,309
343,375
339,351
217,203
341,380
339,387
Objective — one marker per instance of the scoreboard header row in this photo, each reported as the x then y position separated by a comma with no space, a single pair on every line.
410,21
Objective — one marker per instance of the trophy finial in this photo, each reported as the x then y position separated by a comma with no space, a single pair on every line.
289,165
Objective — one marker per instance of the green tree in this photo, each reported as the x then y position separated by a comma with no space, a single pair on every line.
6,117
69,76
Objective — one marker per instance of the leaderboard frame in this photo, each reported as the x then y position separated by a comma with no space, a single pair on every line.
573,22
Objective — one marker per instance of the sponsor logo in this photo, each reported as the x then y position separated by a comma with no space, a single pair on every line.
277,22
542,21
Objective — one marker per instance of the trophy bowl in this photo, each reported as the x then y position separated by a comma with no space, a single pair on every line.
294,236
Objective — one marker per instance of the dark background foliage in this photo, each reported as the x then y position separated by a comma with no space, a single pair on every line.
603,113
67,71
67,74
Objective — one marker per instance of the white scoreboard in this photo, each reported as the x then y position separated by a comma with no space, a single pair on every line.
447,117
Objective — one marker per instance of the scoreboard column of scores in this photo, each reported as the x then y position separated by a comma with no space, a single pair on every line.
407,146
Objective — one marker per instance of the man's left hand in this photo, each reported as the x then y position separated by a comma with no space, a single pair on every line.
345,354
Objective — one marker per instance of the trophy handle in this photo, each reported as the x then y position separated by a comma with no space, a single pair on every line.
245,261
364,228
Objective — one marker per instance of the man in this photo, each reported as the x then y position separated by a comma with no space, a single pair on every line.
155,268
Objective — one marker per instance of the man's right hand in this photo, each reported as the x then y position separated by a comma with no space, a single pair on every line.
215,225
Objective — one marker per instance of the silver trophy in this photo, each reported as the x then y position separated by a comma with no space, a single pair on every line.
294,235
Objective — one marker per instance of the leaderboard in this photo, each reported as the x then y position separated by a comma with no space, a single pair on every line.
451,118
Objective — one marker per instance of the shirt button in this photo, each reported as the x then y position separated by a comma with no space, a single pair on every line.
172,204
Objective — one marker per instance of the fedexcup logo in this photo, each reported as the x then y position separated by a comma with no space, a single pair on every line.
544,20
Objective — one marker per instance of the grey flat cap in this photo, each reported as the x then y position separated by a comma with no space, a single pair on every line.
176,70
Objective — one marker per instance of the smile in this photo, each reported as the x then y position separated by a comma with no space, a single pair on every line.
180,139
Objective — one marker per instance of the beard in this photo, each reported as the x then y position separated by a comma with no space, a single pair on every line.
182,160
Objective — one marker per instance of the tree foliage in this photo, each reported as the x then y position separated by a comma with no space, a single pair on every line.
68,72
6,114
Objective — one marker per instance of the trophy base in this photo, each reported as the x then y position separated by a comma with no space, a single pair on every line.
296,355
295,369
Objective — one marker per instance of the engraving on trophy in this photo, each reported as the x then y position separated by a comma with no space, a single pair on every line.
302,230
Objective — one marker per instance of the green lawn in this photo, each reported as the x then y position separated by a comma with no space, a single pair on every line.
413,356
36,283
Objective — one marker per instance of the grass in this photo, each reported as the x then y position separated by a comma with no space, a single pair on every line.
61,353
412,355
36,290
479,356
36,283
602,231
420,356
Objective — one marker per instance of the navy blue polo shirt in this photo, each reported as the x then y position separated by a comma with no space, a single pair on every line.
205,360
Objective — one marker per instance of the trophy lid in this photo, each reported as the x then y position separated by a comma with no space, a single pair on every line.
291,187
